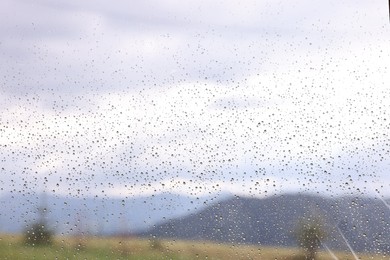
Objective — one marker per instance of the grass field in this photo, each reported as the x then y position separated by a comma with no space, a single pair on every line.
12,247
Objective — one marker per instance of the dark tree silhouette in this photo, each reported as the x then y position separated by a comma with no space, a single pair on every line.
39,233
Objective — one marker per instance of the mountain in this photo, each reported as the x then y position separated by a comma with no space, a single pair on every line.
365,222
272,221
97,215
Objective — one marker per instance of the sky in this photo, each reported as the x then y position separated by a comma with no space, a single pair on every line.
194,97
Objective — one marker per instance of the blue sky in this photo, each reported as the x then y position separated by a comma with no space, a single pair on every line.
194,97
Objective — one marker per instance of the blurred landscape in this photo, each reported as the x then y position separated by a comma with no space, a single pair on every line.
246,222
12,247
97,215
169,129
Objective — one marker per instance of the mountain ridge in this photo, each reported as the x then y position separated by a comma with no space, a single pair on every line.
364,221
97,215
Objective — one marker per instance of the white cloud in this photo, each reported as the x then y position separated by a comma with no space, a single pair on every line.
183,90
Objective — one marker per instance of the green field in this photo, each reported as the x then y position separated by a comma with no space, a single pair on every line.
12,247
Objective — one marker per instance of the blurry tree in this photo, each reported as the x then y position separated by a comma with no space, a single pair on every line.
309,234
80,232
39,233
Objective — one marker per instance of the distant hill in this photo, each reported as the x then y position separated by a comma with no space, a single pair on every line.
273,220
97,215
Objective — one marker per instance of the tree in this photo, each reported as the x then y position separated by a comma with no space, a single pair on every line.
39,233
309,234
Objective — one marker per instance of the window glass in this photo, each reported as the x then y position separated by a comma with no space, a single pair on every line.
194,129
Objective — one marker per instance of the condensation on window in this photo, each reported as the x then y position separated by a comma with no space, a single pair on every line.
194,129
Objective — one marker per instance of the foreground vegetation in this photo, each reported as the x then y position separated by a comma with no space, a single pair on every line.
13,247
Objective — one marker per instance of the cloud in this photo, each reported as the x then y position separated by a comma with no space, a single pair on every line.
140,93
140,140
53,47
